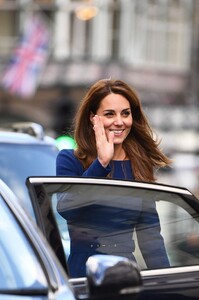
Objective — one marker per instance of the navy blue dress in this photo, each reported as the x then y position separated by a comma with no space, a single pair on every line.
143,218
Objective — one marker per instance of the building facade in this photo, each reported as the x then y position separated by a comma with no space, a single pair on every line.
151,44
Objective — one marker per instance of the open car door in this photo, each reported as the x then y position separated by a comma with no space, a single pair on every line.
154,226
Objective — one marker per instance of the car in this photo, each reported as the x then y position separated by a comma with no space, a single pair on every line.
25,150
29,269
91,217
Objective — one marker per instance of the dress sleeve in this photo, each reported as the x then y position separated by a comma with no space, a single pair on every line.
67,164
96,170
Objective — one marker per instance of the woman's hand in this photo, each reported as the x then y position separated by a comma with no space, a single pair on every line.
104,143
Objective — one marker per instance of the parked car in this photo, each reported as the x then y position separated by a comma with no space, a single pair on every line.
25,151
102,213
29,268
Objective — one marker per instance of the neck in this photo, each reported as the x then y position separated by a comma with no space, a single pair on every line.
119,153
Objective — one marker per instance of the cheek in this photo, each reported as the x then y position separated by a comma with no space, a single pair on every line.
106,122
129,123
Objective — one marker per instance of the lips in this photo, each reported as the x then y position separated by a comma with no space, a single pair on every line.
117,131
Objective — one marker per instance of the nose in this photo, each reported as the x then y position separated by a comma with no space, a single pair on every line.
118,120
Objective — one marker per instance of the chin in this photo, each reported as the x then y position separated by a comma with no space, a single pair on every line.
118,141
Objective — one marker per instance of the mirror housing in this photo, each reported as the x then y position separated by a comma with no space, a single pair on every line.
112,276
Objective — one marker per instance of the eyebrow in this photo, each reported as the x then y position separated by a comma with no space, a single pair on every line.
112,110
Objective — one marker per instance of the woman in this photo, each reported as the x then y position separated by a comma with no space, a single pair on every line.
113,136
114,140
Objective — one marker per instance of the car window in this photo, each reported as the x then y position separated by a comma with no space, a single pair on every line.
157,229
19,161
19,266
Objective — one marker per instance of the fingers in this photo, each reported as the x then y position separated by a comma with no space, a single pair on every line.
97,121
100,131
98,126
104,143
110,137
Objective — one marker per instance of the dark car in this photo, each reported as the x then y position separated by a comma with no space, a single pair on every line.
155,226
30,270
25,150
28,267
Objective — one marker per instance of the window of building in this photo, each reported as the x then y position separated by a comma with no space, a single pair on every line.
156,33
8,31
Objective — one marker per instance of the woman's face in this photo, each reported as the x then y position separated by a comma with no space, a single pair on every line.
115,113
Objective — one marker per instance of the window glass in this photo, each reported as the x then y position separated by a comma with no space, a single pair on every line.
45,2
8,25
157,229
19,266
17,162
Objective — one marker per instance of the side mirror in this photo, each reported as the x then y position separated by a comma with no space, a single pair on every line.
112,276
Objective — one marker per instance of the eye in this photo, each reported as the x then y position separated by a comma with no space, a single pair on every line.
126,113
109,114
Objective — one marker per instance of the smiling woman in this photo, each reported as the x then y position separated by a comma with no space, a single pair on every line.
114,140
113,136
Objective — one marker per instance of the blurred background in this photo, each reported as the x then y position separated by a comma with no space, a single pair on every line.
51,51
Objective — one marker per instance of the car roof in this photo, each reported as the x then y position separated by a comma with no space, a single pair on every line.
24,133
23,138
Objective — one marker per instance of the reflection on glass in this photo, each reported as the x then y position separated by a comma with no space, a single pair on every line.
103,222
180,228
157,229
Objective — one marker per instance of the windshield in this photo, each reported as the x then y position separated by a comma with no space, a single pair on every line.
19,161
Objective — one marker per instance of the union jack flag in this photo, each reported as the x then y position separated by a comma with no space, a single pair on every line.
22,74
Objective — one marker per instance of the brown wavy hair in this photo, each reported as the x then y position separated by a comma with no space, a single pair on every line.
140,145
